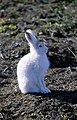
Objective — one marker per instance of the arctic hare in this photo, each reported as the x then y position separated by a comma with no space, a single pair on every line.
32,67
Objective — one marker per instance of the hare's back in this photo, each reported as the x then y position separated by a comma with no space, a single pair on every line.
26,63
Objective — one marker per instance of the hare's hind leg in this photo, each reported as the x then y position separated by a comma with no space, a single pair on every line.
29,89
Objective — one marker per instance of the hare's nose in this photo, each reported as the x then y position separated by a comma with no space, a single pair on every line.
46,48
46,44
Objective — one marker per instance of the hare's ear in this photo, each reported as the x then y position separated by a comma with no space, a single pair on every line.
30,37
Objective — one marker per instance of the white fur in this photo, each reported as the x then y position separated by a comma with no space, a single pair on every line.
32,67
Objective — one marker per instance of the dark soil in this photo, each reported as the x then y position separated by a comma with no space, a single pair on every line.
55,22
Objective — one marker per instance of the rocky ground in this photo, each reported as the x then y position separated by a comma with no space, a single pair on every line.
54,21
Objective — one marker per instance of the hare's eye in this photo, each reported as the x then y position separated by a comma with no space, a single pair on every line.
40,45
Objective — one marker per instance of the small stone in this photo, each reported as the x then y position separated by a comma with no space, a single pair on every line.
2,13
21,7
22,113
1,116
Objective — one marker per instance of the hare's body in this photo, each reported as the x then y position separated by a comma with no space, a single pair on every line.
31,70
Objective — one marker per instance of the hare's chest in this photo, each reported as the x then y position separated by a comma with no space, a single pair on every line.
41,63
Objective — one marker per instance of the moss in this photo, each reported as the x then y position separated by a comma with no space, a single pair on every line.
1,29
64,117
12,27
8,27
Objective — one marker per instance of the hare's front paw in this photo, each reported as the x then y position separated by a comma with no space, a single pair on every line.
46,90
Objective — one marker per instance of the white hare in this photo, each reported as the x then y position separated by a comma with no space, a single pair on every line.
32,67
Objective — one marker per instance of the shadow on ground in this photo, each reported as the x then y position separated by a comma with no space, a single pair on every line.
65,96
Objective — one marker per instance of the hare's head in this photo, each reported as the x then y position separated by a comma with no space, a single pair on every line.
35,45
